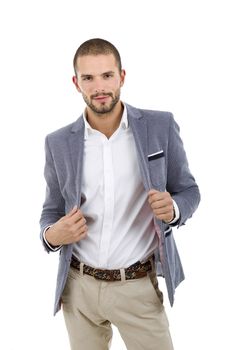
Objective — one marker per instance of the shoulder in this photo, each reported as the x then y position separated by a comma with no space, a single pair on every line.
153,117
61,132
64,132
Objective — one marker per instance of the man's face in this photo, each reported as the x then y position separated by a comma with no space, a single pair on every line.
99,81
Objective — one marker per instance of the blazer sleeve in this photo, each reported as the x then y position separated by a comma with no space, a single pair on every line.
180,182
54,204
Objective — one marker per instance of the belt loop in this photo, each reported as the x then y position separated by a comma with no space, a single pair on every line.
81,268
122,275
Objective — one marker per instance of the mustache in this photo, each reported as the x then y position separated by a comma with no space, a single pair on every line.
102,94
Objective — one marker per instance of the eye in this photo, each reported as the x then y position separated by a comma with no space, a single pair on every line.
87,78
107,75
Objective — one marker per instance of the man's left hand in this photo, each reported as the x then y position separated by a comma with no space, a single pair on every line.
161,204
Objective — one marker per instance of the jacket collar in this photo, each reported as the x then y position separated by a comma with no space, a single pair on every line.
132,113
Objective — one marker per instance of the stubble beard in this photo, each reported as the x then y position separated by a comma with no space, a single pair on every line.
103,109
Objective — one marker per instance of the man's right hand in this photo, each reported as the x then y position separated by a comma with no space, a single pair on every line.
70,228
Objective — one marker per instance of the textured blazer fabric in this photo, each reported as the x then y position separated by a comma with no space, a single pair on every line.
163,164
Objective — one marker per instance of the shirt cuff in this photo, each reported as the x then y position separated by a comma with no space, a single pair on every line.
51,247
176,213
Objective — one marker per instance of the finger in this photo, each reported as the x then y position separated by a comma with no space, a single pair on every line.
163,211
72,211
153,198
76,217
80,223
162,203
165,217
82,235
152,191
81,231
162,218
158,205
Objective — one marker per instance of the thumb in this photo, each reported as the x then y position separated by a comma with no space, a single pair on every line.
72,211
152,191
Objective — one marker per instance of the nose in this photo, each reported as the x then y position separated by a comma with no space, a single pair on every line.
99,85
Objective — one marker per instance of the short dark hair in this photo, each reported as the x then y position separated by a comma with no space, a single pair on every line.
97,47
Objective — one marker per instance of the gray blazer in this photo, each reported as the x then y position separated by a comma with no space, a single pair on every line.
156,133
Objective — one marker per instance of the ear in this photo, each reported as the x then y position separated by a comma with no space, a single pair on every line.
75,81
123,74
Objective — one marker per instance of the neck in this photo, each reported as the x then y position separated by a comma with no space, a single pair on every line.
107,123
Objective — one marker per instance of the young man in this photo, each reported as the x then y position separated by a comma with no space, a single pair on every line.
117,181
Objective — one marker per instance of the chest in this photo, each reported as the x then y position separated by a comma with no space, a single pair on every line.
111,160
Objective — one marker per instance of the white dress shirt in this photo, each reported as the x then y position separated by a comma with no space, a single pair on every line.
114,201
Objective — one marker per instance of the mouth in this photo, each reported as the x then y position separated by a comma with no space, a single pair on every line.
101,98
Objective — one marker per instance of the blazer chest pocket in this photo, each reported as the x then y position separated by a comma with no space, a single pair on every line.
156,155
157,168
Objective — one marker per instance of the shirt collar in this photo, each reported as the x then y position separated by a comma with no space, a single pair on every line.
123,124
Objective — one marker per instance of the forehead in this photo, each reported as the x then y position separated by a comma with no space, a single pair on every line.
96,64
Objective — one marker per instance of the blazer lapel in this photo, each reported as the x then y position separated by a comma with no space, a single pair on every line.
76,145
139,128
138,125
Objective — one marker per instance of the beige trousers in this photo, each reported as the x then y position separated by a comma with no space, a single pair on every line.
133,306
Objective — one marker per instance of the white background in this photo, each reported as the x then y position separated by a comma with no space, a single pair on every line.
178,57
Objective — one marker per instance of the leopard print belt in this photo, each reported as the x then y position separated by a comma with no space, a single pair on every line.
137,270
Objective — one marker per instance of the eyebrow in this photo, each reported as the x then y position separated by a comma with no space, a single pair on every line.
90,75
109,72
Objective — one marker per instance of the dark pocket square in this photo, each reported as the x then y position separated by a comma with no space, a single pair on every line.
155,155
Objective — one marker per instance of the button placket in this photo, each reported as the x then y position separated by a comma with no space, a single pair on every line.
108,202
